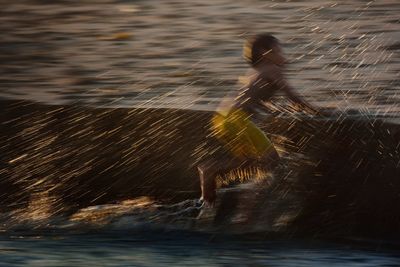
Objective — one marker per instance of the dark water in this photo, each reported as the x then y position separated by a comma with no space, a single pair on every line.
144,238
162,248
187,54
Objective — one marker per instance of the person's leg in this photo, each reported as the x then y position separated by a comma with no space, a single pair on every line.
208,172
270,159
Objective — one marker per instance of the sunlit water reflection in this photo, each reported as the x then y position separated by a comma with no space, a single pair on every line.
188,53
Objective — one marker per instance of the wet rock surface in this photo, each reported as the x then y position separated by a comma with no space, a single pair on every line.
341,173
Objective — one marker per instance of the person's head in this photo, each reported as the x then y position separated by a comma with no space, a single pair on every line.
263,49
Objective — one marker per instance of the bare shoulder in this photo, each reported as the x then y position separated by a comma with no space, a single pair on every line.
272,73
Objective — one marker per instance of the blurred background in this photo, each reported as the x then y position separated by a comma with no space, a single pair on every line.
189,53
186,54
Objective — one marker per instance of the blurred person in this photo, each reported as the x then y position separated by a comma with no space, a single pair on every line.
234,125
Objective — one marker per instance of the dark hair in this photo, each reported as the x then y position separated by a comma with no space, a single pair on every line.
255,46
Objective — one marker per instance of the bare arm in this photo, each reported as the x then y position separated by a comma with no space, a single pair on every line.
293,96
282,84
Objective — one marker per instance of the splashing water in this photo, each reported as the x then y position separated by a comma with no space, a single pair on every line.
187,55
